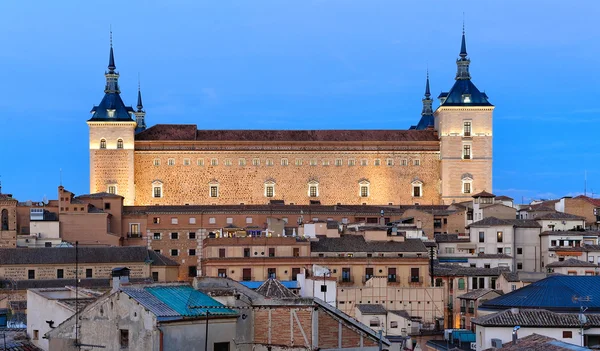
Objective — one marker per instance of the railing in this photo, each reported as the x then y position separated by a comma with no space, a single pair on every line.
467,133
134,234
247,278
467,157
471,310
463,309
415,280
346,280
393,279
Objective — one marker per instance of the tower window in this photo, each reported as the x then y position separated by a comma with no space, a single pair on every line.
313,189
325,162
200,162
417,188
214,162
416,162
467,187
467,152
338,162
119,143
363,188
112,189
214,190
313,162
284,161
228,162
171,162
157,189
103,143
156,162
377,162
242,162
364,162
298,162
186,161
351,162
467,128
256,162
270,189
269,162
389,162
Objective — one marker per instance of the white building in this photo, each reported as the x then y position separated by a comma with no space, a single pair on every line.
573,266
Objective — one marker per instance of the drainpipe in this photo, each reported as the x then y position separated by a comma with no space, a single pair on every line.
160,339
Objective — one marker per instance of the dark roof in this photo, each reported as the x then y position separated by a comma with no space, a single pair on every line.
97,195
189,132
536,342
534,318
569,233
558,215
465,86
450,270
493,221
273,288
583,248
555,293
95,283
524,276
504,198
478,293
451,238
66,255
20,345
571,262
357,243
333,225
112,101
484,194
401,313
425,122
371,309
160,259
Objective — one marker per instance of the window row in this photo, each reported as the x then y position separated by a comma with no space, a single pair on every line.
60,273
134,227
103,143
297,162
269,189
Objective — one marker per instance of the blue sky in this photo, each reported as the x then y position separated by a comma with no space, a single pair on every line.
301,65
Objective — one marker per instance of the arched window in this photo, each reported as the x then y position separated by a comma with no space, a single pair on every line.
313,188
120,144
4,219
103,143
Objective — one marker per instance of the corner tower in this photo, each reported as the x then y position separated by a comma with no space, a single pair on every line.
112,131
427,119
464,123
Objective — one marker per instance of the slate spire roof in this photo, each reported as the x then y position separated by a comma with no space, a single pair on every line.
112,107
427,119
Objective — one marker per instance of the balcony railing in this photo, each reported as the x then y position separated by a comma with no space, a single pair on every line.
392,279
134,234
415,280
463,309
246,278
346,280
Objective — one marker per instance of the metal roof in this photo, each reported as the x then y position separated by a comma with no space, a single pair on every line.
560,293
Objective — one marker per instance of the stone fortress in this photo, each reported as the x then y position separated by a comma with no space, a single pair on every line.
446,157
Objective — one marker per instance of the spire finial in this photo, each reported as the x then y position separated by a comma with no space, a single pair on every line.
427,92
463,44
139,106
111,56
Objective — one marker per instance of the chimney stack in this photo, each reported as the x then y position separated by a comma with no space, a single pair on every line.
120,277
515,337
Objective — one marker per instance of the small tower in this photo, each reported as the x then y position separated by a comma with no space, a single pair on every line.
464,123
427,119
112,140
140,114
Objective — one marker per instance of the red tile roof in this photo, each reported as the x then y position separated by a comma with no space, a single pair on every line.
188,132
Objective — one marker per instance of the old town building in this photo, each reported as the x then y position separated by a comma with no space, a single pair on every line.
446,157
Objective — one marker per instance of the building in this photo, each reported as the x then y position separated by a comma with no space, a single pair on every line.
445,158
469,302
561,245
8,220
564,327
390,322
511,281
573,266
536,342
49,307
155,317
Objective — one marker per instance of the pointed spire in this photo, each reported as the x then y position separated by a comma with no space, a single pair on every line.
140,106
463,44
427,102
111,57
427,92
463,62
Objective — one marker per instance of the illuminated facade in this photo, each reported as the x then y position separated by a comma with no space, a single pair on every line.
446,157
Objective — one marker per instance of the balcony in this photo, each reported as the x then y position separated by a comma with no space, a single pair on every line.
392,279
346,280
415,280
134,234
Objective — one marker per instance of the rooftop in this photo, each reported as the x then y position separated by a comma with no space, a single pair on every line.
558,215
570,233
273,288
493,221
558,293
520,276
478,293
357,243
451,238
371,309
450,270
534,318
571,262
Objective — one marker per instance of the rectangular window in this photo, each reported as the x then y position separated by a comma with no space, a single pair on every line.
519,250
416,191
364,162
416,162
393,324
272,273
391,275
221,253
186,161
507,250
271,252
296,252
284,161
389,162
295,272
156,236
174,220
567,334
229,220
200,162
346,277
467,128
214,191
248,220
191,252
112,189
298,162
60,273
377,162
414,275
325,162
214,162
192,235
368,273
404,162
256,162
124,338
352,162
246,252
174,252
500,250
31,274
242,162
312,162
222,272
312,191
157,161
481,237
155,276
467,152
212,220
269,162
364,191
519,265
467,188
228,162
174,236
171,162
499,235
89,273
338,162
270,191
192,271
192,220
247,274
157,191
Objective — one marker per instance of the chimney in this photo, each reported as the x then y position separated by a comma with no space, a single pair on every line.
515,337
514,310
120,277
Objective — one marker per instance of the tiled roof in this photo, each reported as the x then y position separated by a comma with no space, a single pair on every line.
454,97
493,221
449,270
569,233
332,225
173,302
504,198
534,318
593,201
401,313
273,288
528,277
451,238
357,243
66,255
371,309
189,133
478,293
96,283
571,262
558,215
160,259
583,248
537,342
555,293
20,345
98,195
484,194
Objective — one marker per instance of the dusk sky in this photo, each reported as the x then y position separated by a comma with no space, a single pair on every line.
301,65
